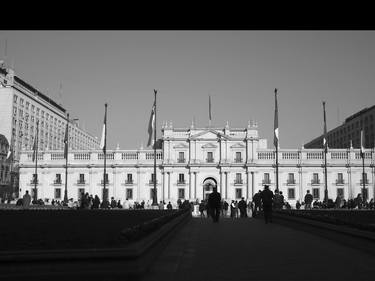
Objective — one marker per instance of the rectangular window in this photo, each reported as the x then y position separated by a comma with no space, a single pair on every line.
181,178
81,178
238,178
57,193
238,158
58,179
129,178
34,179
152,178
291,193
340,192
181,193
238,193
80,192
340,179
210,157
106,179
181,157
151,193
266,178
316,193
129,193
315,179
291,178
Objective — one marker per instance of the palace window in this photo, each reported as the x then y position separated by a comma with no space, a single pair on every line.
291,179
316,193
181,157
129,193
57,179
315,179
291,193
238,193
238,179
181,179
340,179
153,178
129,179
266,178
210,157
106,179
81,179
57,193
181,193
238,158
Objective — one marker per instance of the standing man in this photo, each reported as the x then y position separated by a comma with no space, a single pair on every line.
257,203
308,200
26,199
267,200
214,203
242,206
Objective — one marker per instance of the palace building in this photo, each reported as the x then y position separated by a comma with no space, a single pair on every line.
191,161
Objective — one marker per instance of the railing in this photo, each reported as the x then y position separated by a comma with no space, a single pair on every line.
339,155
57,182
290,155
238,182
109,156
129,156
179,182
150,155
82,156
129,182
81,182
340,182
180,160
266,155
291,181
314,155
315,182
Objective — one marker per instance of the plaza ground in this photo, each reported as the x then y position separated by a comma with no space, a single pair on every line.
249,249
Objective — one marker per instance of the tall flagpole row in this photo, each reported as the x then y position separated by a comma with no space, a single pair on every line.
36,162
66,159
325,155
276,140
105,156
155,200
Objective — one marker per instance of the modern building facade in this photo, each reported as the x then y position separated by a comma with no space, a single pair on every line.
22,106
194,160
349,133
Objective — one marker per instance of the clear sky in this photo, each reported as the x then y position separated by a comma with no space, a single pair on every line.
239,69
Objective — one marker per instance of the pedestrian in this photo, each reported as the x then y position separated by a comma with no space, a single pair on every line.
308,200
214,200
113,203
232,209
298,205
169,206
267,201
225,205
161,205
96,202
257,203
201,208
242,207
236,208
26,200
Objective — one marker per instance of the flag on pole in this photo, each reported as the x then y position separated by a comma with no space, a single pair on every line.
325,128
362,145
209,108
151,124
35,146
103,141
276,123
9,153
66,140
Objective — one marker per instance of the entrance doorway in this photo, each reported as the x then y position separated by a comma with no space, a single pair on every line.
208,186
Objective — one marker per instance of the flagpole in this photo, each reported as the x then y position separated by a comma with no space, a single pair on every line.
105,157
36,161
277,142
66,160
209,111
155,200
325,156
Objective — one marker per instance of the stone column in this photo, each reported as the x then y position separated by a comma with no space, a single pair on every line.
226,185
189,185
252,185
350,191
163,186
221,183
169,185
247,184
195,184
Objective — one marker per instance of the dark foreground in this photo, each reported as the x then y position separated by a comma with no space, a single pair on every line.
249,249
67,229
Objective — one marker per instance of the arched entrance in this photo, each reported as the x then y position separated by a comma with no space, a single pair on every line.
208,186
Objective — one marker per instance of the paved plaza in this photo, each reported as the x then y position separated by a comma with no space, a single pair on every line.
249,249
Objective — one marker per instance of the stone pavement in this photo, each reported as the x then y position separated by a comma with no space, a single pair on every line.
249,249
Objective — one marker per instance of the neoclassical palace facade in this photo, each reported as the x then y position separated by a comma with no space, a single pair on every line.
192,160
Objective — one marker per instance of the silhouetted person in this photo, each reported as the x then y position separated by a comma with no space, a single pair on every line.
169,206
242,206
232,209
257,203
26,200
267,200
96,202
202,206
308,200
298,205
214,203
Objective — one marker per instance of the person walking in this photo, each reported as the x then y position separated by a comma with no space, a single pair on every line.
214,202
267,201
257,203
242,207
232,209
202,206
26,200
308,200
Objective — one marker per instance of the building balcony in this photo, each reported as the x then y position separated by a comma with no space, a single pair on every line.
315,182
57,182
210,160
151,182
291,182
237,160
106,182
340,182
181,182
81,182
181,160
266,182
238,182
129,182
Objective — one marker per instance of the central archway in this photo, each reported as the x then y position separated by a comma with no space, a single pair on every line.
208,186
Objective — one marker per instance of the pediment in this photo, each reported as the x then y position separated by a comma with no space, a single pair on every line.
181,145
209,145
209,134
238,145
